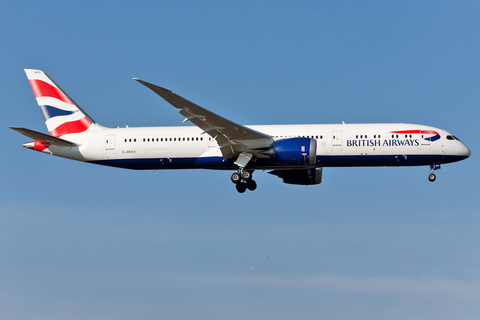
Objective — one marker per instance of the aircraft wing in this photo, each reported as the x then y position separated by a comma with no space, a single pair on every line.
232,138
45,137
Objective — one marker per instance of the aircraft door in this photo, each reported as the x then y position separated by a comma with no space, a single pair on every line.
425,135
110,142
336,138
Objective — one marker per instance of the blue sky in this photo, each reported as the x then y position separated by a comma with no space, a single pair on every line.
82,241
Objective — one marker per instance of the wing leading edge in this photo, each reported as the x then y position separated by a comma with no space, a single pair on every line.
233,139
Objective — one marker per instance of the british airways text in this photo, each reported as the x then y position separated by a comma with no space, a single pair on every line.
386,143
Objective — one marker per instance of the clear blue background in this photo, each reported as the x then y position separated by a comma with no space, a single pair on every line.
79,241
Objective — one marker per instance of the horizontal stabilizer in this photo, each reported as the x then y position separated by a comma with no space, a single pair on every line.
45,137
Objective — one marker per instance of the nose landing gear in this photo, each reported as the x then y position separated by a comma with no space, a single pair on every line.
433,167
243,180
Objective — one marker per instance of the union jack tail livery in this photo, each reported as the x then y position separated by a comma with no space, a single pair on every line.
62,115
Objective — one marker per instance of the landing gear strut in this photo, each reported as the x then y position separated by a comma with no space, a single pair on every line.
243,180
433,167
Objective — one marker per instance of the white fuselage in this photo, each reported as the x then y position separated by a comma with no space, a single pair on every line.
337,145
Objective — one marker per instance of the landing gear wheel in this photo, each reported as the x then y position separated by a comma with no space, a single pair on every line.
251,185
241,187
246,175
431,177
235,177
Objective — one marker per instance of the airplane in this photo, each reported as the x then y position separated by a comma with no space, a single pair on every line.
295,153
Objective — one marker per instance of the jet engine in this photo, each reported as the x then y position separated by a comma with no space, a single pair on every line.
303,177
294,151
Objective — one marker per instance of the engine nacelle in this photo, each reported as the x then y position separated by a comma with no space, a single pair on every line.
295,151
303,177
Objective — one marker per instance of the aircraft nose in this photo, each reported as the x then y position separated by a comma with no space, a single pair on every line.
465,152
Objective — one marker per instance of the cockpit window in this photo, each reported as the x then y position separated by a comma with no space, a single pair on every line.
450,137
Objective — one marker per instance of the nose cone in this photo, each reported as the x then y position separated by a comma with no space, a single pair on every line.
454,149
460,151
463,151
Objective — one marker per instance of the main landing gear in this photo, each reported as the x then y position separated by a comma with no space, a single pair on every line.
433,167
243,180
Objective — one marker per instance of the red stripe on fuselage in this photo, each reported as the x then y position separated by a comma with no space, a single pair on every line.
71,127
43,89
416,132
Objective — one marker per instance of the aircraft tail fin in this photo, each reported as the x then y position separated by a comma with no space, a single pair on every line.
62,115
